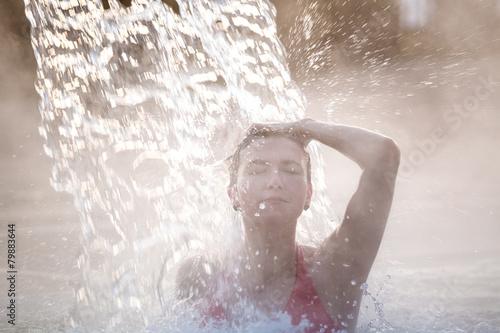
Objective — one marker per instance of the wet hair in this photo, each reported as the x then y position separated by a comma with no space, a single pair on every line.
256,134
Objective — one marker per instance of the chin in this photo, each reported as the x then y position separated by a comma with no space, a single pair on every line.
276,218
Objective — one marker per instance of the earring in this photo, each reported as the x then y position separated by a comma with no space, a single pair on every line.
306,207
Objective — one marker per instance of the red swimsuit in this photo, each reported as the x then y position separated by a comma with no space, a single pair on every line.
304,303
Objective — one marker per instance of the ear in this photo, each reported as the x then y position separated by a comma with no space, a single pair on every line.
232,193
309,194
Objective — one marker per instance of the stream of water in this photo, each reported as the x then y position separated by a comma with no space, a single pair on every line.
140,106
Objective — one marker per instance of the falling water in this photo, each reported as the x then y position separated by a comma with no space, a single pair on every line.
140,106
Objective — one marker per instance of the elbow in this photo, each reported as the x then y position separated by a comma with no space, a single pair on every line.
390,155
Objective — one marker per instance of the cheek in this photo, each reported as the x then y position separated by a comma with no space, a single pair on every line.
245,190
301,188
244,186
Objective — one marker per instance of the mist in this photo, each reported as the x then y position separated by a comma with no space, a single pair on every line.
428,79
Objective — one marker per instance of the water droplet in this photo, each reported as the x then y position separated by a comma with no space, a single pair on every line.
354,303
353,282
239,289
262,206
363,287
257,214
346,239
137,135
247,267
257,253
346,265
350,316
345,324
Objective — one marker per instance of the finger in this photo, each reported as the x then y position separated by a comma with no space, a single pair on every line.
253,128
259,126
272,126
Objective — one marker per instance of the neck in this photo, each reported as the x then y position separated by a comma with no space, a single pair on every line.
270,254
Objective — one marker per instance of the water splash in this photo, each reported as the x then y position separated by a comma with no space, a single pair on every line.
140,106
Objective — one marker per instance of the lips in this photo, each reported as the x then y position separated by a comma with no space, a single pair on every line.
274,200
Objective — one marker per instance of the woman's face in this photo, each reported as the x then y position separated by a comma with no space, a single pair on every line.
272,184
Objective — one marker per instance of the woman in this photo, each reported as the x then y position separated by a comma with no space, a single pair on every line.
270,187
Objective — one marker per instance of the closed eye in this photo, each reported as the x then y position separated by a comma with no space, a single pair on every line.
292,167
293,171
255,170
257,167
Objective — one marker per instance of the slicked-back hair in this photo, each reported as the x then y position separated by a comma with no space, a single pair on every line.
256,134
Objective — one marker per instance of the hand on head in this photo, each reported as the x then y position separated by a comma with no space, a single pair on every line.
296,128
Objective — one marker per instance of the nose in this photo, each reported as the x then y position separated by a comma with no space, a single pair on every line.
274,180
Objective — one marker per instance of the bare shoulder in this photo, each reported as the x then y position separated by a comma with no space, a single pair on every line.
194,277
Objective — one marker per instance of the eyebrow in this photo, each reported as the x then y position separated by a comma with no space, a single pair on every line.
287,162
257,162
263,162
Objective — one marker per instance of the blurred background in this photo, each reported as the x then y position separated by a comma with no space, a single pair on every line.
425,72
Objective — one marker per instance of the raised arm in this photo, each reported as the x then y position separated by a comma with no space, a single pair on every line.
356,241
